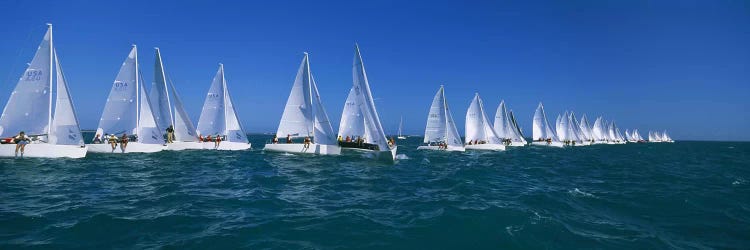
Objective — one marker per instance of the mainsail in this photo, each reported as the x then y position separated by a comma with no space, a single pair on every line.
477,124
501,124
120,113
29,107
541,128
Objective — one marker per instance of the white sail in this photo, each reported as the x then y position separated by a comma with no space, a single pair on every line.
120,113
477,124
501,124
65,129
29,107
297,119
212,120
148,131
517,134
541,129
611,132
598,130
323,129
352,122
437,119
373,128
159,96
453,139
400,126
233,129
184,130
562,127
575,128
586,128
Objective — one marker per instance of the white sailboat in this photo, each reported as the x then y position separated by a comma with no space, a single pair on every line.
665,137
575,128
598,131
185,136
360,119
29,109
637,136
219,118
479,133
128,112
506,129
542,133
441,132
586,130
305,117
400,128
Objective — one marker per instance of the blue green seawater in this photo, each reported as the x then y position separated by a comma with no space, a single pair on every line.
686,195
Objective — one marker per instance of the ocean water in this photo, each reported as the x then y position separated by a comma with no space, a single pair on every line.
686,195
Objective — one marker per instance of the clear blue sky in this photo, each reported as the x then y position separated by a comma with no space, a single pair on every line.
680,65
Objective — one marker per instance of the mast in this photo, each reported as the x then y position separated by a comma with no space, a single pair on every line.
49,114
445,106
309,92
164,76
137,94
224,92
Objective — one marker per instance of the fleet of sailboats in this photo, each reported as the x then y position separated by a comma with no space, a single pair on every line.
305,118
138,121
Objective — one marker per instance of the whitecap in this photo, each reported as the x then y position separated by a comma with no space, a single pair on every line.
578,192
402,157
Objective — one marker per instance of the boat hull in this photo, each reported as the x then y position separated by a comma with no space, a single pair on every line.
495,147
299,148
437,148
555,144
133,147
401,137
227,145
184,145
516,144
45,150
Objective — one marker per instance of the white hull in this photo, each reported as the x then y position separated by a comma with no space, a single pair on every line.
44,150
183,145
516,144
299,148
496,147
450,148
556,144
133,147
401,137
226,145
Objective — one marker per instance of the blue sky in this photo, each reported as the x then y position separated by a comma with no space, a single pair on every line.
683,66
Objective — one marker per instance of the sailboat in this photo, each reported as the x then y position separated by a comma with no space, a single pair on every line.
360,121
506,129
479,133
441,132
542,132
586,130
598,131
219,118
400,128
665,137
637,137
29,109
575,128
305,117
128,111
185,136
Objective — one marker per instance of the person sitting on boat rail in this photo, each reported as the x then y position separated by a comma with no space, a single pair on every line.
391,142
275,140
200,138
21,140
170,134
307,142
339,138
348,139
97,139
208,139
218,141
124,142
112,139
288,138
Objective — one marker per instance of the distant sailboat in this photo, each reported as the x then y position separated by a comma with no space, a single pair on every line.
185,136
586,130
360,119
542,133
219,117
598,131
128,111
575,128
665,137
29,109
479,133
305,117
506,129
441,132
400,128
